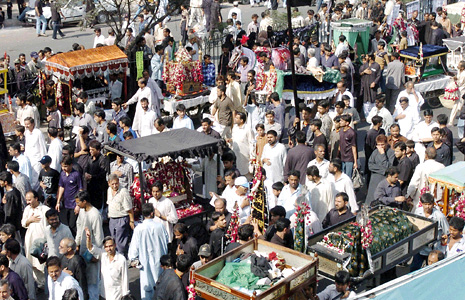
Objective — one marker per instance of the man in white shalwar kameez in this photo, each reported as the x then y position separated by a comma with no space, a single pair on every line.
35,222
422,133
420,177
147,120
274,157
143,92
114,283
149,243
156,102
242,143
322,193
89,218
55,149
34,149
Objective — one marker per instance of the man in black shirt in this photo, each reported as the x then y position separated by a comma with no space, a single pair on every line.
283,227
207,128
217,238
224,61
56,20
73,263
95,174
169,284
220,206
186,244
11,201
245,234
339,213
404,165
442,149
48,179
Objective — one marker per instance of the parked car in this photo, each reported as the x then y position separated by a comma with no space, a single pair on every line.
74,12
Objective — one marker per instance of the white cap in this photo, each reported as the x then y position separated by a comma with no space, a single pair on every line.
236,3
242,181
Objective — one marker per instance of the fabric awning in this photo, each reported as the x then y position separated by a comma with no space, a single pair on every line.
87,63
454,43
452,177
183,142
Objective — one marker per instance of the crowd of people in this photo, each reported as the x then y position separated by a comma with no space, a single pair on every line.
70,194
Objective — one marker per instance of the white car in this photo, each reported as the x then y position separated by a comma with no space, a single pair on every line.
73,12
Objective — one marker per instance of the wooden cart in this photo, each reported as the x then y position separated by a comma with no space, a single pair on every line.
330,261
207,288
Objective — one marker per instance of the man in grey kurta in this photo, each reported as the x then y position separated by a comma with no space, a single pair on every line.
55,232
89,217
395,79
378,163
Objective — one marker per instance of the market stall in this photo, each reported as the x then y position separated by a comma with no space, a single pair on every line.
225,278
451,180
83,70
165,153
370,246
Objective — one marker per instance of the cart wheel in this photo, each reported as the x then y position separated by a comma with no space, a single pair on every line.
434,102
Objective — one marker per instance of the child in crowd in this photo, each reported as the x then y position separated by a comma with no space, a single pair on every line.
277,188
208,70
54,117
411,154
20,137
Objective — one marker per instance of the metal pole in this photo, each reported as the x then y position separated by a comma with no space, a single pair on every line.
291,46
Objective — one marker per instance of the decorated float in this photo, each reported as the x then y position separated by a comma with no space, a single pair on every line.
165,154
372,242
450,183
184,83
427,66
82,70
235,275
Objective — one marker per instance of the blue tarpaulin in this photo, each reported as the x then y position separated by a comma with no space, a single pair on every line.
443,280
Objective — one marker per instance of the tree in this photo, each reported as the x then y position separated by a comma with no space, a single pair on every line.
112,12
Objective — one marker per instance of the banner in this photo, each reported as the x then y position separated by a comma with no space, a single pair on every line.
139,63
411,7
394,14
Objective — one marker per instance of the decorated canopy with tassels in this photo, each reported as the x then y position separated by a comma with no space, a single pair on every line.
451,177
183,142
87,63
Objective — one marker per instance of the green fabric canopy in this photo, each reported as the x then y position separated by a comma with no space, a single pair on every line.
452,177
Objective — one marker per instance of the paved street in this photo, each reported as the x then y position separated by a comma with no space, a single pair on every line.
17,39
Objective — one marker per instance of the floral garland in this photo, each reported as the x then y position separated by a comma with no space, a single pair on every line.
451,91
191,290
346,241
460,207
302,215
271,80
367,235
231,233
59,93
422,191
